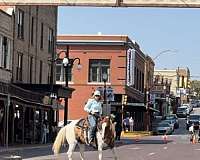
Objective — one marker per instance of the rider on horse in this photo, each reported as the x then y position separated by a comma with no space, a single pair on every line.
94,108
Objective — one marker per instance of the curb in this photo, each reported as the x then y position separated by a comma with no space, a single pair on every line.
136,134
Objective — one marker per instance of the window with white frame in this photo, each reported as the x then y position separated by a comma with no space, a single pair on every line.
20,24
50,40
98,67
5,55
60,72
19,67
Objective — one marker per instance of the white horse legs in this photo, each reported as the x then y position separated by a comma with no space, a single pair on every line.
70,150
82,148
114,153
100,151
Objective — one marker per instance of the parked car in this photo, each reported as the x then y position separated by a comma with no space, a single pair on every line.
193,119
189,106
182,111
175,120
164,128
171,122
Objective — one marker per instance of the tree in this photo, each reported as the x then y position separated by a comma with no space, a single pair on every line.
195,86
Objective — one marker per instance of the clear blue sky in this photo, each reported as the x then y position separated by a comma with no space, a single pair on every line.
154,29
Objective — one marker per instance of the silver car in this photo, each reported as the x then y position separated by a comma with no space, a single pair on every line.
164,128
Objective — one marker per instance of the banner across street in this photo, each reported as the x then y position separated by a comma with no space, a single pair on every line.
109,3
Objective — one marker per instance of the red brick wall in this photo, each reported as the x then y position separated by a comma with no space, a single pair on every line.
83,89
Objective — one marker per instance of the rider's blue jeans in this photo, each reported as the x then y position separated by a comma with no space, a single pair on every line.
93,123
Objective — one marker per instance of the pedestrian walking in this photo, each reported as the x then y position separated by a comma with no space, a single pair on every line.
131,122
191,131
44,134
126,124
118,125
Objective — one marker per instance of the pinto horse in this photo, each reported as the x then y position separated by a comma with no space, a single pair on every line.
105,135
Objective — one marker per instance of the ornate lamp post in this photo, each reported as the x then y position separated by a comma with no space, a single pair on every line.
67,64
104,78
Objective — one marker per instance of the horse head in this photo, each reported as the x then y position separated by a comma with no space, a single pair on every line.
108,130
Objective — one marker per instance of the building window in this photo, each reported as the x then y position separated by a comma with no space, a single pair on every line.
142,82
49,73
98,67
5,55
20,24
19,67
137,79
40,77
32,30
60,72
31,69
41,36
50,40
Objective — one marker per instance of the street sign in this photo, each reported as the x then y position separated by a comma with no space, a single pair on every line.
109,93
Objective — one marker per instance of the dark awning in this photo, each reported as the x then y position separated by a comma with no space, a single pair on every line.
46,89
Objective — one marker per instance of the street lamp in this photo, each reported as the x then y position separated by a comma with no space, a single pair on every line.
104,78
67,64
163,52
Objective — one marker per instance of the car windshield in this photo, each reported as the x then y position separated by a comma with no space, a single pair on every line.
168,121
171,117
163,125
181,109
194,117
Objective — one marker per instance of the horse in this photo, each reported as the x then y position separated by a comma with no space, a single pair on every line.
105,136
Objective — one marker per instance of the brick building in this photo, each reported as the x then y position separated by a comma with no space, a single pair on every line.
114,55
29,73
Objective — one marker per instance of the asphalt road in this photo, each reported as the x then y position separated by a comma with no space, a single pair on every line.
177,147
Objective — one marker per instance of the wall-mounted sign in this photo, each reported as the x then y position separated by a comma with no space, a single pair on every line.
130,67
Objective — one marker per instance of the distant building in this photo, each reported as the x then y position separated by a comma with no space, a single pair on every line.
148,85
179,87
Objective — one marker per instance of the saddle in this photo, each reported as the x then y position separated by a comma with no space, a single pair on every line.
81,131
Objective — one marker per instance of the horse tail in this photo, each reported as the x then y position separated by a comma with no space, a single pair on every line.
60,139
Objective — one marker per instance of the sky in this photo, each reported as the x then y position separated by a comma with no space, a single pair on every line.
154,29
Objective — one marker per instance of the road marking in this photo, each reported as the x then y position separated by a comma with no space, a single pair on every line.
197,149
152,153
136,148
165,148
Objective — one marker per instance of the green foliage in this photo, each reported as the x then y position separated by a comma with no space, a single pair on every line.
195,86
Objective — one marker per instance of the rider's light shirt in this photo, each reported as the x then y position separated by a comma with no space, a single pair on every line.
191,129
93,106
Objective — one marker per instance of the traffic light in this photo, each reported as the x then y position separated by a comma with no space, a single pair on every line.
124,99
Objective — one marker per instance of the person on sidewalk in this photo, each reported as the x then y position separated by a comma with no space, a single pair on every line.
118,125
131,122
94,109
44,134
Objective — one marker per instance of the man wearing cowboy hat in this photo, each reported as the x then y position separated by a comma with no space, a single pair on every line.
94,108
